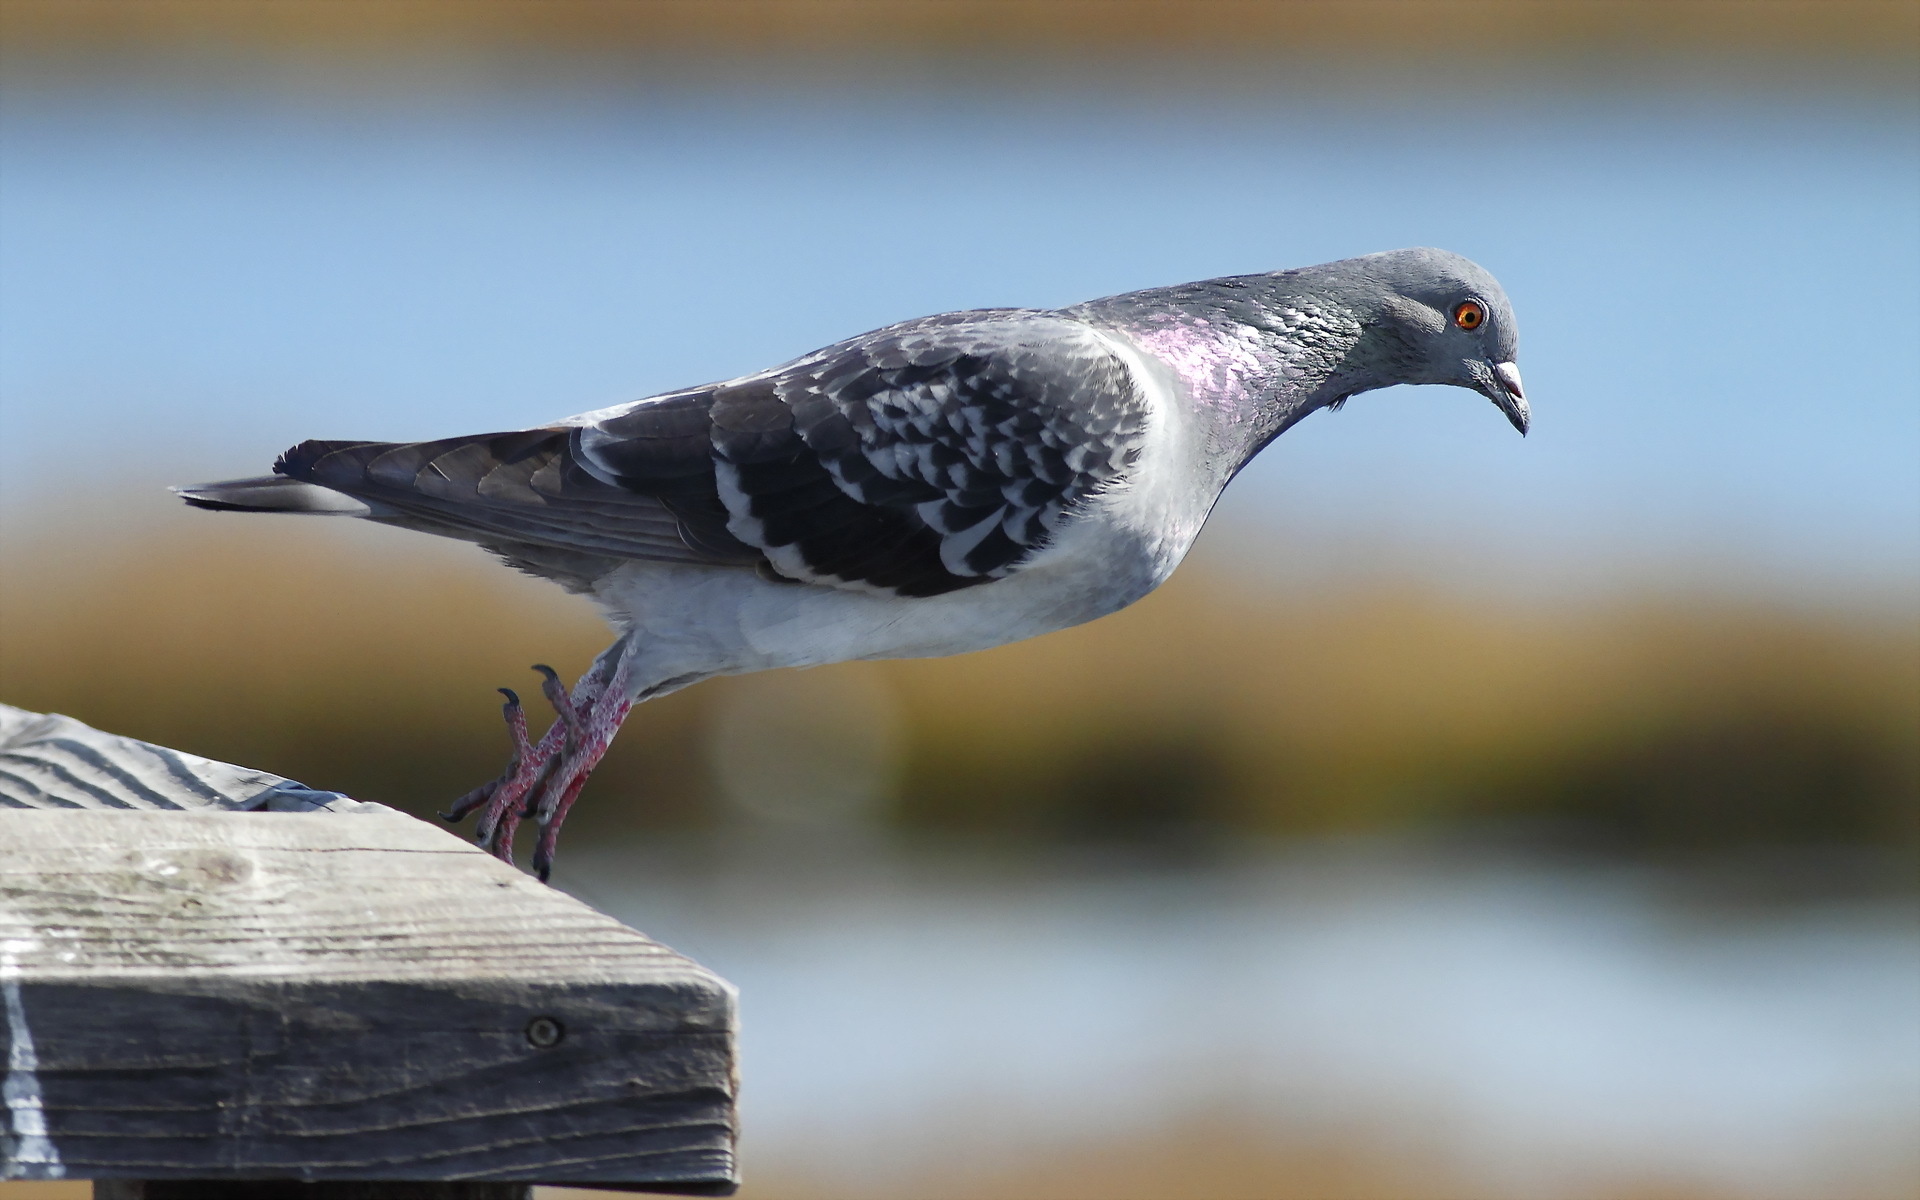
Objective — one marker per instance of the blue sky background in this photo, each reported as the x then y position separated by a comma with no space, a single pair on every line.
1715,286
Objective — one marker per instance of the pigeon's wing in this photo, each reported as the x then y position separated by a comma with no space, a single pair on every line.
918,459
527,491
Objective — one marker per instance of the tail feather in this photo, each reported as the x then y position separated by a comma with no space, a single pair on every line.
521,494
272,493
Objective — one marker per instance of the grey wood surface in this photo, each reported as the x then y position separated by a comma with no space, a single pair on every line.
225,995
53,761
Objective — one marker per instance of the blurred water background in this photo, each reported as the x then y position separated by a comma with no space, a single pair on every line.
1471,817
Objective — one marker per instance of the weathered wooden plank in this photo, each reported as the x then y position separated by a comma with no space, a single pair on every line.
51,761
226,995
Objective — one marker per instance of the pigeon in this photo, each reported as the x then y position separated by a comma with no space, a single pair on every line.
941,485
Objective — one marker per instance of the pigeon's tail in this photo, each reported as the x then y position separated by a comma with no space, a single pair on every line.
519,494
272,493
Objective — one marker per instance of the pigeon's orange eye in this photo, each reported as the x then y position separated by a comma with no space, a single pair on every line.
1468,314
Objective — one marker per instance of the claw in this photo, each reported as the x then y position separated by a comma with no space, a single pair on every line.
516,728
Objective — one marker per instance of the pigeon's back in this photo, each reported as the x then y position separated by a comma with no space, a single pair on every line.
918,459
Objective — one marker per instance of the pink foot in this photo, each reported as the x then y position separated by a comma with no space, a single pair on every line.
543,779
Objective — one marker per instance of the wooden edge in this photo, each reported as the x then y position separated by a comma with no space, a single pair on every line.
235,994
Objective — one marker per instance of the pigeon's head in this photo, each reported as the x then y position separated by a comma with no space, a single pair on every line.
1431,316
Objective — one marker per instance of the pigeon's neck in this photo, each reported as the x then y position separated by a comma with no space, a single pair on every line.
1250,359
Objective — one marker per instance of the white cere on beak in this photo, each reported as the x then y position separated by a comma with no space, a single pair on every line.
1509,376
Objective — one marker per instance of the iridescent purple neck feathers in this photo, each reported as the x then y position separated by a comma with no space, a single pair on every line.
1249,360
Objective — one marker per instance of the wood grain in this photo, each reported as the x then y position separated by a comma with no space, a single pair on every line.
55,762
324,996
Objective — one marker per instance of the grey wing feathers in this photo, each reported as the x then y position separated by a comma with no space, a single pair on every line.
918,459
512,489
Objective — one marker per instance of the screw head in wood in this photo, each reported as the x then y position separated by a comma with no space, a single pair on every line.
544,1032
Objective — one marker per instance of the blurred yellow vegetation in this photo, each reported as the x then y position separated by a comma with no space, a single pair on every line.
1616,29
363,660
1669,722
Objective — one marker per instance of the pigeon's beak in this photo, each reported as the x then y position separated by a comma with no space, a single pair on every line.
1505,392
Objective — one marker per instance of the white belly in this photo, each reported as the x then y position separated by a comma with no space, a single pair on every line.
696,621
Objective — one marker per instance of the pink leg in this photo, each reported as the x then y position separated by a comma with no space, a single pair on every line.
602,721
561,760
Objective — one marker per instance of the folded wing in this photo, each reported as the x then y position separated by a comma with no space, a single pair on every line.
918,459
